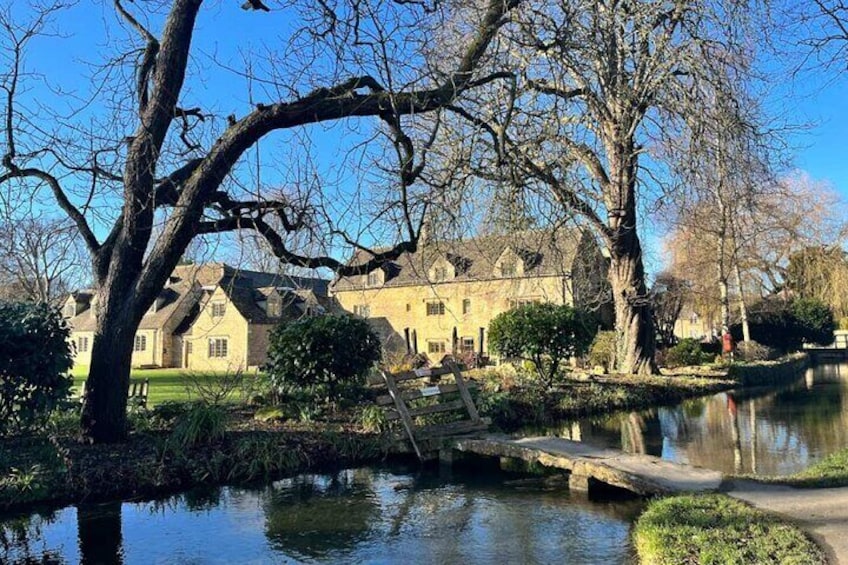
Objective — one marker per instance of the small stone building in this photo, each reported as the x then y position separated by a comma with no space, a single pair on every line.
207,317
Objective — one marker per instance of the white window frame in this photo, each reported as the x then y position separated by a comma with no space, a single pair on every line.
140,343
218,347
435,346
435,308
218,308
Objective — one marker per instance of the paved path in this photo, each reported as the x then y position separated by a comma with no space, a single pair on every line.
642,474
822,512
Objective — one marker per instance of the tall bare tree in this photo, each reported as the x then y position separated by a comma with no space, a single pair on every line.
158,157
41,258
598,84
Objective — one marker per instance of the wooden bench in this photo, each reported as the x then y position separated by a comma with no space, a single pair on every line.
136,395
449,397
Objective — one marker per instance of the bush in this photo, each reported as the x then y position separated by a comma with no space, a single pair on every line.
543,334
327,356
815,320
786,326
687,352
750,351
201,425
35,357
603,351
843,323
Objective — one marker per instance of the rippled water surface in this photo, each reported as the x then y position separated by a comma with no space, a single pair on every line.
356,516
767,431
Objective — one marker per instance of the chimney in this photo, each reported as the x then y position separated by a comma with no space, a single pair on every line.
424,234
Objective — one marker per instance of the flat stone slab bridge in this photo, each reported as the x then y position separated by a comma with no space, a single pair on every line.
641,474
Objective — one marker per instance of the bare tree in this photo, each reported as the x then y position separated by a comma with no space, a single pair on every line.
158,160
43,259
599,84
669,295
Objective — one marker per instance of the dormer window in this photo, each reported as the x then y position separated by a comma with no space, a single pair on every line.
219,309
509,264
273,307
508,269
373,279
441,270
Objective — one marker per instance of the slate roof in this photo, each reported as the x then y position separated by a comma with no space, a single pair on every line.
243,287
543,252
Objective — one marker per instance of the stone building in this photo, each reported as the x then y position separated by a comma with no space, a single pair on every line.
441,299
207,317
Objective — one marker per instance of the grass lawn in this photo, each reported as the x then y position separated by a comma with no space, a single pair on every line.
165,384
717,529
832,471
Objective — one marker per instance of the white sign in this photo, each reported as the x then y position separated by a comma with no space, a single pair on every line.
429,391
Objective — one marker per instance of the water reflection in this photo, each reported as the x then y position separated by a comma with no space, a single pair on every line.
768,431
355,516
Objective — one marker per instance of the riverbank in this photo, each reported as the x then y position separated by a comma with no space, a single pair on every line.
513,403
754,521
718,529
163,455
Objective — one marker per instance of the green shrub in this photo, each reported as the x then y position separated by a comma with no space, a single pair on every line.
750,351
328,357
787,325
815,320
202,425
543,334
843,323
603,351
35,358
373,419
687,352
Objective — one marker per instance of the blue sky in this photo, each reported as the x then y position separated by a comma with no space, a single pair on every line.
225,33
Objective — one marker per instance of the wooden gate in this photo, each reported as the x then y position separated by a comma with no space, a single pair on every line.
406,401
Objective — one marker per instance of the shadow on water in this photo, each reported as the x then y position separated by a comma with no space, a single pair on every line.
765,430
362,515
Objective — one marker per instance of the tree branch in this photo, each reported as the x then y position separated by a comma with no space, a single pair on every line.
73,213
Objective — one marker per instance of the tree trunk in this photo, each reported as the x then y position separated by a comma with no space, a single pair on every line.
743,309
104,414
633,319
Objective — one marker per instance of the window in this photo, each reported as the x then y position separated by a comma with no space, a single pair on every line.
515,303
467,345
373,279
82,344
362,310
466,306
408,307
273,308
435,308
508,269
189,347
440,274
218,347
218,309
436,347
140,343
